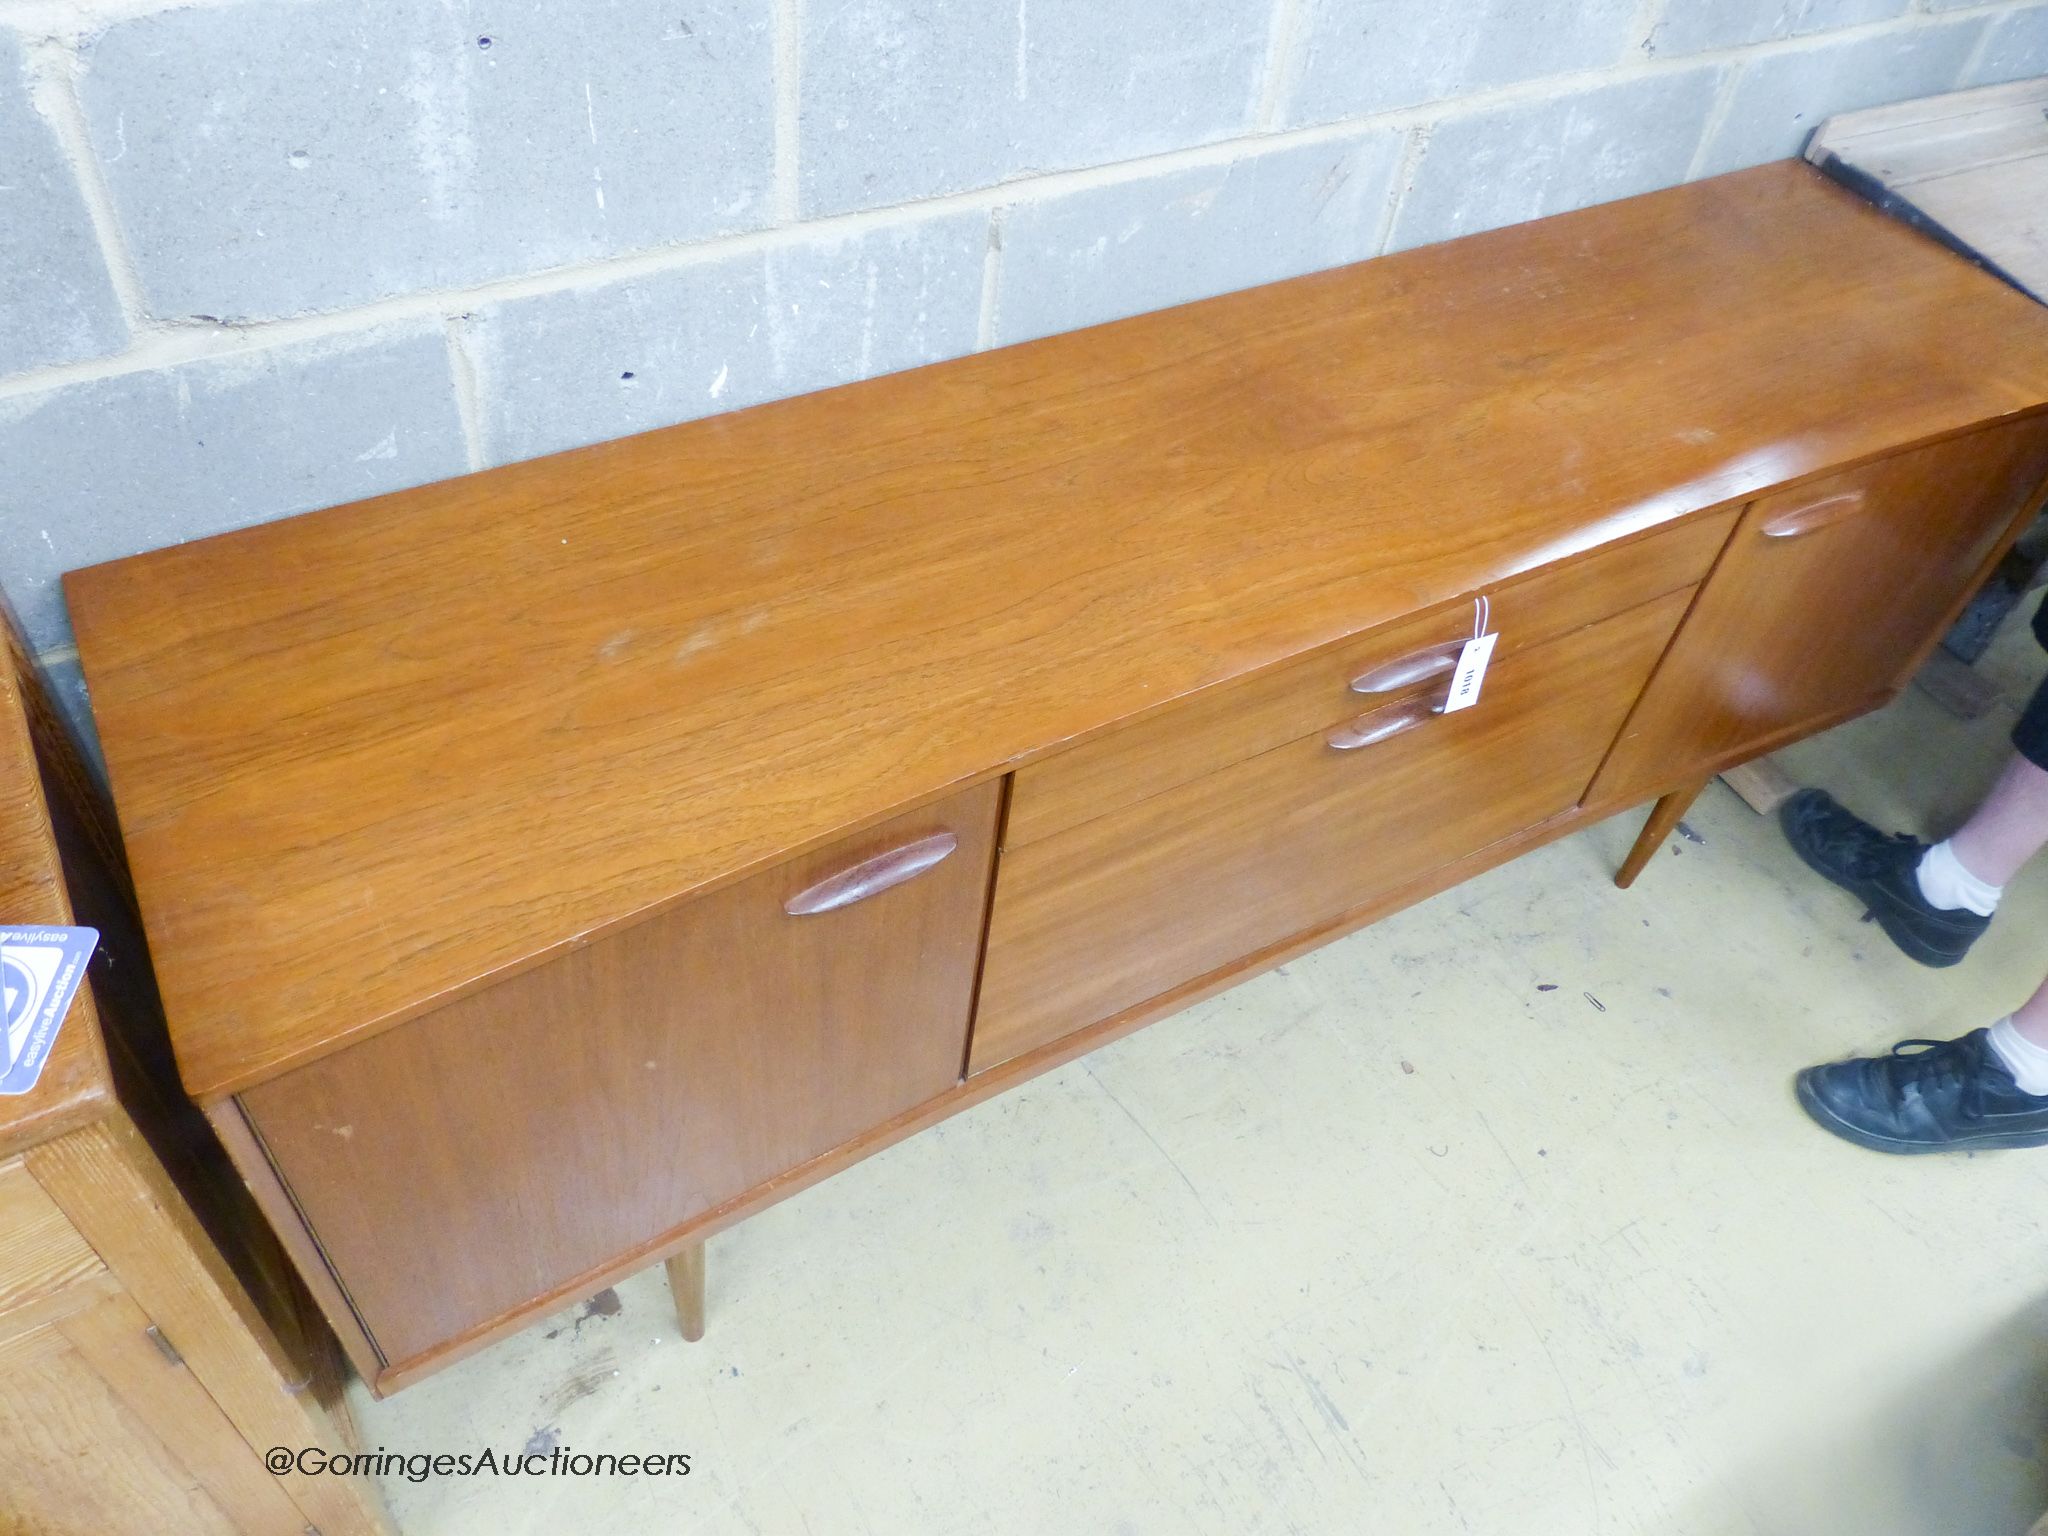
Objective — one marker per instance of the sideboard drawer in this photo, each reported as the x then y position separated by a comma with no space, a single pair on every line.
1127,907
493,1152
1239,720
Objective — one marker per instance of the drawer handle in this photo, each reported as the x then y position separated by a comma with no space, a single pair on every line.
1432,661
1380,724
1814,516
871,877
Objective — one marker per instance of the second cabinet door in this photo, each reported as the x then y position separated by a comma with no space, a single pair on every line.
461,1168
1129,906
1824,600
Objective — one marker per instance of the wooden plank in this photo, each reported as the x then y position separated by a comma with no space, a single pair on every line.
2000,212
108,1183
485,721
41,1253
1935,136
33,1343
53,1306
113,1336
1762,784
76,1461
1969,167
1956,686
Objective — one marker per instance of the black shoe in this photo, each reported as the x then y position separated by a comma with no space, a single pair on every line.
1878,869
1926,1096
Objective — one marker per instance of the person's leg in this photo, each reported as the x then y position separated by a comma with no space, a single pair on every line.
2031,1017
2009,826
1935,902
1987,1089
1922,897
1969,870
1990,1087
2020,1042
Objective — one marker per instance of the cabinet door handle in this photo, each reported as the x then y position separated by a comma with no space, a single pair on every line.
871,877
1380,724
1814,516
1412,668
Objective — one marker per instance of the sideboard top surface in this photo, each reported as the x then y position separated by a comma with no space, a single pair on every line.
371,758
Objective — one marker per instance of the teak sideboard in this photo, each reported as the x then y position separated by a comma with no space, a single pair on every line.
549,867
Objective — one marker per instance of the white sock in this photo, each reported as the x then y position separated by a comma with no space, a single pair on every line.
1945,883
2026,1061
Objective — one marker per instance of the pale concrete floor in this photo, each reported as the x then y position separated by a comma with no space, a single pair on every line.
1497,1217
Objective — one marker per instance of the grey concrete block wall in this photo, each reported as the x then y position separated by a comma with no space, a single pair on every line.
57,301
1533,158
357,149
582,364
904,99
1692,28
105,467
1366,56
1103,253
1779,101
2015,47
258,256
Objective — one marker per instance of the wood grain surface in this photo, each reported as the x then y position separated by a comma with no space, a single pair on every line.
41,1253
167,1402
463,1168
60,1413
1970,167
1127,907
115,1192
74,1088
370,759
977,1089
104,1231
1827,595
1227,724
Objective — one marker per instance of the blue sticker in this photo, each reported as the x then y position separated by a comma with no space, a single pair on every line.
40,969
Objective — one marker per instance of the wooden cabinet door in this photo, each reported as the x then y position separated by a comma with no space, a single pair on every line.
1824,601
103,1432
484,1160
1127,907
102,1429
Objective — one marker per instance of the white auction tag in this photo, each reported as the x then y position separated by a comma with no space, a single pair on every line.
1471,672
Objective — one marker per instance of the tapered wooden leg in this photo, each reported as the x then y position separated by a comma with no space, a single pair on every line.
1663,817
686,1283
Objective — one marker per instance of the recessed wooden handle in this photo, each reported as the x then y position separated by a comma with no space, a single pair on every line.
871,877
1814,516
1431,661
1380,724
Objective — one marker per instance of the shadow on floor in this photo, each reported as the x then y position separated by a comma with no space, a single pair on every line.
1962,1450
